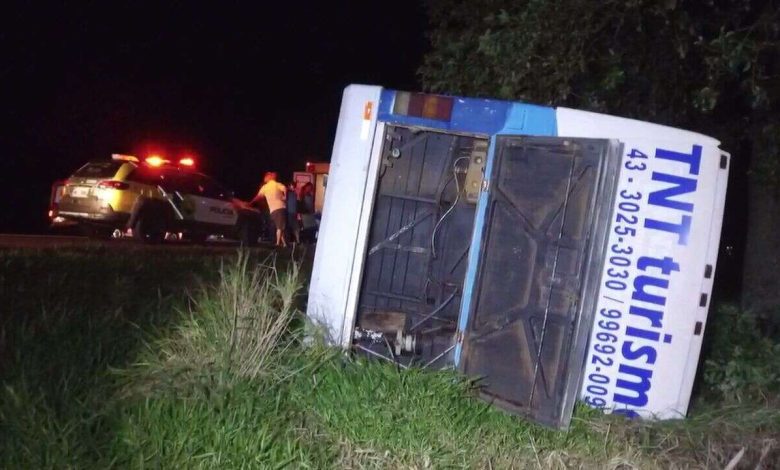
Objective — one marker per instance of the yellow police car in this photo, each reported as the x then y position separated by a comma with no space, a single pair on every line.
151,197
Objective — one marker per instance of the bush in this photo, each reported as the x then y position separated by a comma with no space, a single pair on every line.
740,364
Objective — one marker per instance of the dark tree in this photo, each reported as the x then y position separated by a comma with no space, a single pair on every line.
711,66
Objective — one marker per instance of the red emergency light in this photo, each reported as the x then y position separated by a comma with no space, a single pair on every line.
422,105
155,160
187,161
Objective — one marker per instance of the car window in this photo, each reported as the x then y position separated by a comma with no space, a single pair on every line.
211,188
140,175
98,169
146,175
174,180
166,179
201,185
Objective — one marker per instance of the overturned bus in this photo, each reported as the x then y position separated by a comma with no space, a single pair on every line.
556,254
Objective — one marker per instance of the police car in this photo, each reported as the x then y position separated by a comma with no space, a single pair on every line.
151,198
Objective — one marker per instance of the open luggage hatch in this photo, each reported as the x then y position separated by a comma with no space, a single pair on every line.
546,219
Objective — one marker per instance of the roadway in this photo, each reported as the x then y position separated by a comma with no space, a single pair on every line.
22,241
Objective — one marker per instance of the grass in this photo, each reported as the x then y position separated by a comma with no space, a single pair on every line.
235,330
423,417
184,359
66,317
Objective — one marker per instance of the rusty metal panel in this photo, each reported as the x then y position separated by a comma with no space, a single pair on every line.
543,241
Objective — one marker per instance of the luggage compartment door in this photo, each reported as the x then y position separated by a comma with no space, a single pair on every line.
548,211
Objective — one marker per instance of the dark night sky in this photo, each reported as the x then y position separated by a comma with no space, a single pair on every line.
246,88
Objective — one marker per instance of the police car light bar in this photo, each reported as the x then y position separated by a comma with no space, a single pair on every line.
155,160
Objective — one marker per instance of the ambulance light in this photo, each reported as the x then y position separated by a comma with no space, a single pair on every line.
423,105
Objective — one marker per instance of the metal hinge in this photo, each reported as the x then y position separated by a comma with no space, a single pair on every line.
485,186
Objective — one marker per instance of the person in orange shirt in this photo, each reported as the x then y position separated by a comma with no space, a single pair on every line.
275,194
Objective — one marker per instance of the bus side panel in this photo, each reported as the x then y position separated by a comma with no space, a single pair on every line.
341,214
708,278
653,296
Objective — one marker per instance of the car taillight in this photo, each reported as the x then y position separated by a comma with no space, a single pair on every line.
112,185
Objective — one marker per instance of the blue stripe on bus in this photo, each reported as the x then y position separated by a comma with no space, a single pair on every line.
469,115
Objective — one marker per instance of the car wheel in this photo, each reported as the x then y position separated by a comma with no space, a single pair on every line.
149,229
198,238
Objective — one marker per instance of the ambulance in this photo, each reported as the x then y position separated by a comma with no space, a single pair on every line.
555,254
316,174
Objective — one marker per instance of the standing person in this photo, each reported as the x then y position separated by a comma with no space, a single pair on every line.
306,209
275,194
307,198
292,214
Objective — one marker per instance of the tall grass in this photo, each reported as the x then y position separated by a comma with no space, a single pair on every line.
212,392
234,330
160,371
260,305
